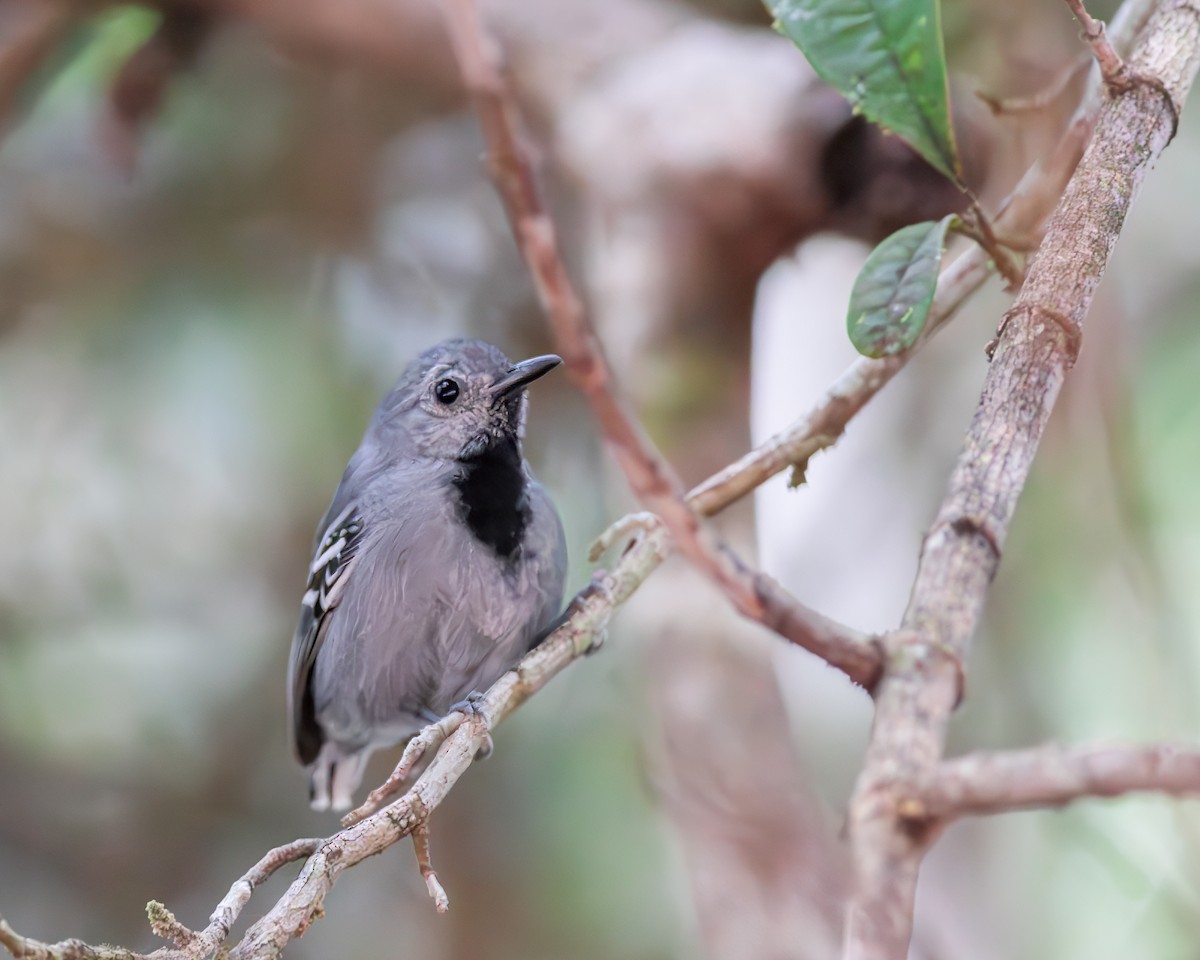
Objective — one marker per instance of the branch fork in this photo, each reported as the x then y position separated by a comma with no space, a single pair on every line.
907,815
1117,76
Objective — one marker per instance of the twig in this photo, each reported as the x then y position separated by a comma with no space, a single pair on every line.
432,737
754,595
437,892
1041,339
629,526
302,902
1053,776
1112,67
26,949
1042,99
190,946
164,925
822,426
1020,214
976,224
227,911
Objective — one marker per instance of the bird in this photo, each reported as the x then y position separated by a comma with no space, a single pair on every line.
439,563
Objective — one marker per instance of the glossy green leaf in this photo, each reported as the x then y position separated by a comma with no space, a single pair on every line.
886,58
894,290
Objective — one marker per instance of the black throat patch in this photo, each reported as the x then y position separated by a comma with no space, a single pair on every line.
492,494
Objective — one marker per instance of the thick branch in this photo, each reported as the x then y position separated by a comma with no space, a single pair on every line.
1039,341
303,901
1053,776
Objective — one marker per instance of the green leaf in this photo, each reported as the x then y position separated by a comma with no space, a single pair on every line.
894,290
886,58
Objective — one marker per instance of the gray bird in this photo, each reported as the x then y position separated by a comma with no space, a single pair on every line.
439,563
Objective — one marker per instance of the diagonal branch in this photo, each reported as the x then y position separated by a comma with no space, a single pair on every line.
1053,776
1038,342
754,595
191,945
1019,218
303,901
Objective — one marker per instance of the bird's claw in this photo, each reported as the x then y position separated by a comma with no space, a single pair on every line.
471,707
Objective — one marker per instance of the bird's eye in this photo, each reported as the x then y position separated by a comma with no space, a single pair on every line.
446,391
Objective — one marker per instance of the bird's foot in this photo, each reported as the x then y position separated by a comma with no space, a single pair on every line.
432,736
438,730
471,708
471,705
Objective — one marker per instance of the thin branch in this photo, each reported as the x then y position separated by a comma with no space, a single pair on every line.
227,911
437,892
1039,342
976,225
823,425
429,739
1112,67
1053,776
1019,216
754,595
189,945
1041,100
24,948
302,902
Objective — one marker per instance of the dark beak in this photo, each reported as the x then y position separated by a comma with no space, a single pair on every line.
522,374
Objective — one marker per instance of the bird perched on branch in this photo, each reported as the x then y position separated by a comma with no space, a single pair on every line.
439,563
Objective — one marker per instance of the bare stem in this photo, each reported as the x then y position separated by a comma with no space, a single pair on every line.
1112,67
303,901
437,892
977,225
1040,339
1043,99
429,739
1053,776
190,946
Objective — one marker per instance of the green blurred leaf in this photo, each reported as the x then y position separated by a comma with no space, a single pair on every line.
886,58
894,290
94,52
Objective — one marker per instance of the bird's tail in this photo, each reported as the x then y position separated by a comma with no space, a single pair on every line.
334,776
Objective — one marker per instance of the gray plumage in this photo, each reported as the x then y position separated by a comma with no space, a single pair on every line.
439,563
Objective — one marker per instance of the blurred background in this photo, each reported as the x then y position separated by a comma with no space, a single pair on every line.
225,228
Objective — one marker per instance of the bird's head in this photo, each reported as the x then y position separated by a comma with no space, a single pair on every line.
461,398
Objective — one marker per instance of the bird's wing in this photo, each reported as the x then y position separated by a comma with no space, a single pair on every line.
547,545
338,539
430,613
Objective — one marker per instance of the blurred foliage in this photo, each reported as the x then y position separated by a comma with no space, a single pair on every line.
188,353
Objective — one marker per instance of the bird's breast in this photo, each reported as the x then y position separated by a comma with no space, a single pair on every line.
493,499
